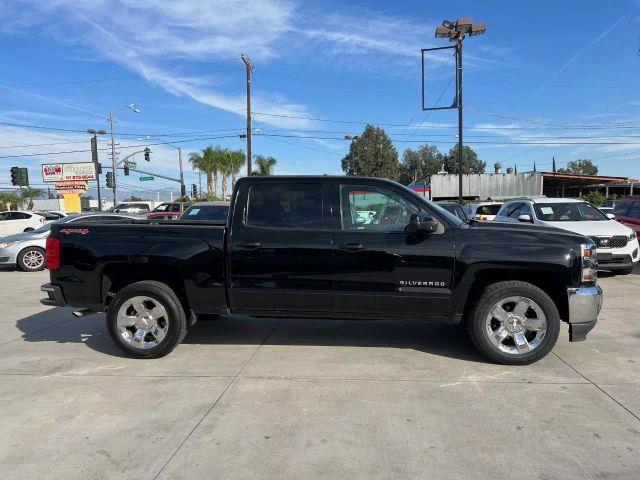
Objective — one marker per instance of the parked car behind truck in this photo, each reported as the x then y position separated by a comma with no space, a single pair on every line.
617,244
295,247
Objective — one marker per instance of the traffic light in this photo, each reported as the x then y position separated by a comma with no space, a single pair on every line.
19,176
126,169
147,151
109,179
24,177
183,190
94,149
194,190
15,176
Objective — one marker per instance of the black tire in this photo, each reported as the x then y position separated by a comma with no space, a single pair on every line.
27,264
494,294
163,295
624,271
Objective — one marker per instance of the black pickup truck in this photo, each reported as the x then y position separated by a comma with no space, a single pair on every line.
329,247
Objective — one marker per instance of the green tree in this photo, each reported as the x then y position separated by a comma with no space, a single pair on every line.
417,164
372,154
470,161
595,197
8,199
264,166
208,161
29,193
237,159
582,166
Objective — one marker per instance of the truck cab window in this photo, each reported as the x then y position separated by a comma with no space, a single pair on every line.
285,205
372,208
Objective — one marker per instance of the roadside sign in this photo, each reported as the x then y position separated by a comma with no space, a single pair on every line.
131,164
62,172
145,179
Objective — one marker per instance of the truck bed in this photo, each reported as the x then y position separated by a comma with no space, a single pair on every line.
189,256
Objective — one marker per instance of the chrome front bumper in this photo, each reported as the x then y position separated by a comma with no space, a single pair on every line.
584,306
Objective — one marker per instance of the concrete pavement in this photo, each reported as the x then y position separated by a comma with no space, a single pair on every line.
256,398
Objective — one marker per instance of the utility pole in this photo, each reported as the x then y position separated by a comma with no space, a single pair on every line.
459,104
113,160
249,69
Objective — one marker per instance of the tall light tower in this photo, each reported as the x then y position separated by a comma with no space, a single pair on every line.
455,32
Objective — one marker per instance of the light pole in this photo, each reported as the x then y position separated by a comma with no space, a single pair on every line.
112,114
456,32
94,158
182,187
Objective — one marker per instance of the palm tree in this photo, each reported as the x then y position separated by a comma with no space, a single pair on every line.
209,162
7,199
236,161
31,193
264,165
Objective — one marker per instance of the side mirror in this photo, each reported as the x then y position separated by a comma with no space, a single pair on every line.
525,218
422,222
610,216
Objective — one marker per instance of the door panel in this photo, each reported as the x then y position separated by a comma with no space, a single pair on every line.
276,265
381,269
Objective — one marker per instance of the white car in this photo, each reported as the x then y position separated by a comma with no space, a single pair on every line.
482,210
17,221
616,244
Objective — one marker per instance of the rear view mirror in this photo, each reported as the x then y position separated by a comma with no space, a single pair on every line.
525,218
422,222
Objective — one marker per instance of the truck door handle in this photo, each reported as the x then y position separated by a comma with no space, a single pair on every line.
249,245
352,246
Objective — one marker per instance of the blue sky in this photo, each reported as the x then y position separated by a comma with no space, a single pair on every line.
548,79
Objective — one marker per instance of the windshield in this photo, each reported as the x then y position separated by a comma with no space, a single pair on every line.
436,208
206,212
455,209
47,226
163,207
488,209
568,212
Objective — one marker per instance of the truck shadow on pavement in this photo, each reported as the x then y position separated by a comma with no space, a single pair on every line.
60,326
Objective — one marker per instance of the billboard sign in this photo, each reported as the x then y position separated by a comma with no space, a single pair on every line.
64,172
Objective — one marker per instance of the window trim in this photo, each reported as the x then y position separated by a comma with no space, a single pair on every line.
323,219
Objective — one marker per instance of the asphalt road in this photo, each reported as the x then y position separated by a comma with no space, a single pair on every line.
301,399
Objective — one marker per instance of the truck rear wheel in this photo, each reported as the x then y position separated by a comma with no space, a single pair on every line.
146,319
514,323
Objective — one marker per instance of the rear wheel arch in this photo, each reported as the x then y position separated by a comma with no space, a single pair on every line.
115,277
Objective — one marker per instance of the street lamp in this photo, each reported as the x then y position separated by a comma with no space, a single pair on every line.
455,32
112,114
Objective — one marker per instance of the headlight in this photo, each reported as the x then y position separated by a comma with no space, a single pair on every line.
7,244
633,236
589,263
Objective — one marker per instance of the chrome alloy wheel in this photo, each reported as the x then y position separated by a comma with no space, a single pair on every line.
516,325
33,259
142,322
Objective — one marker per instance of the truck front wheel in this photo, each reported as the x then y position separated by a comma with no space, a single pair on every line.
514,323
146,319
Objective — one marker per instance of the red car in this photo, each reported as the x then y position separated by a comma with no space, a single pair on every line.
627,212
168,211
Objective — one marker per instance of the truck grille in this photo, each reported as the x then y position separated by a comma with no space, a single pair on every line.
617,241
